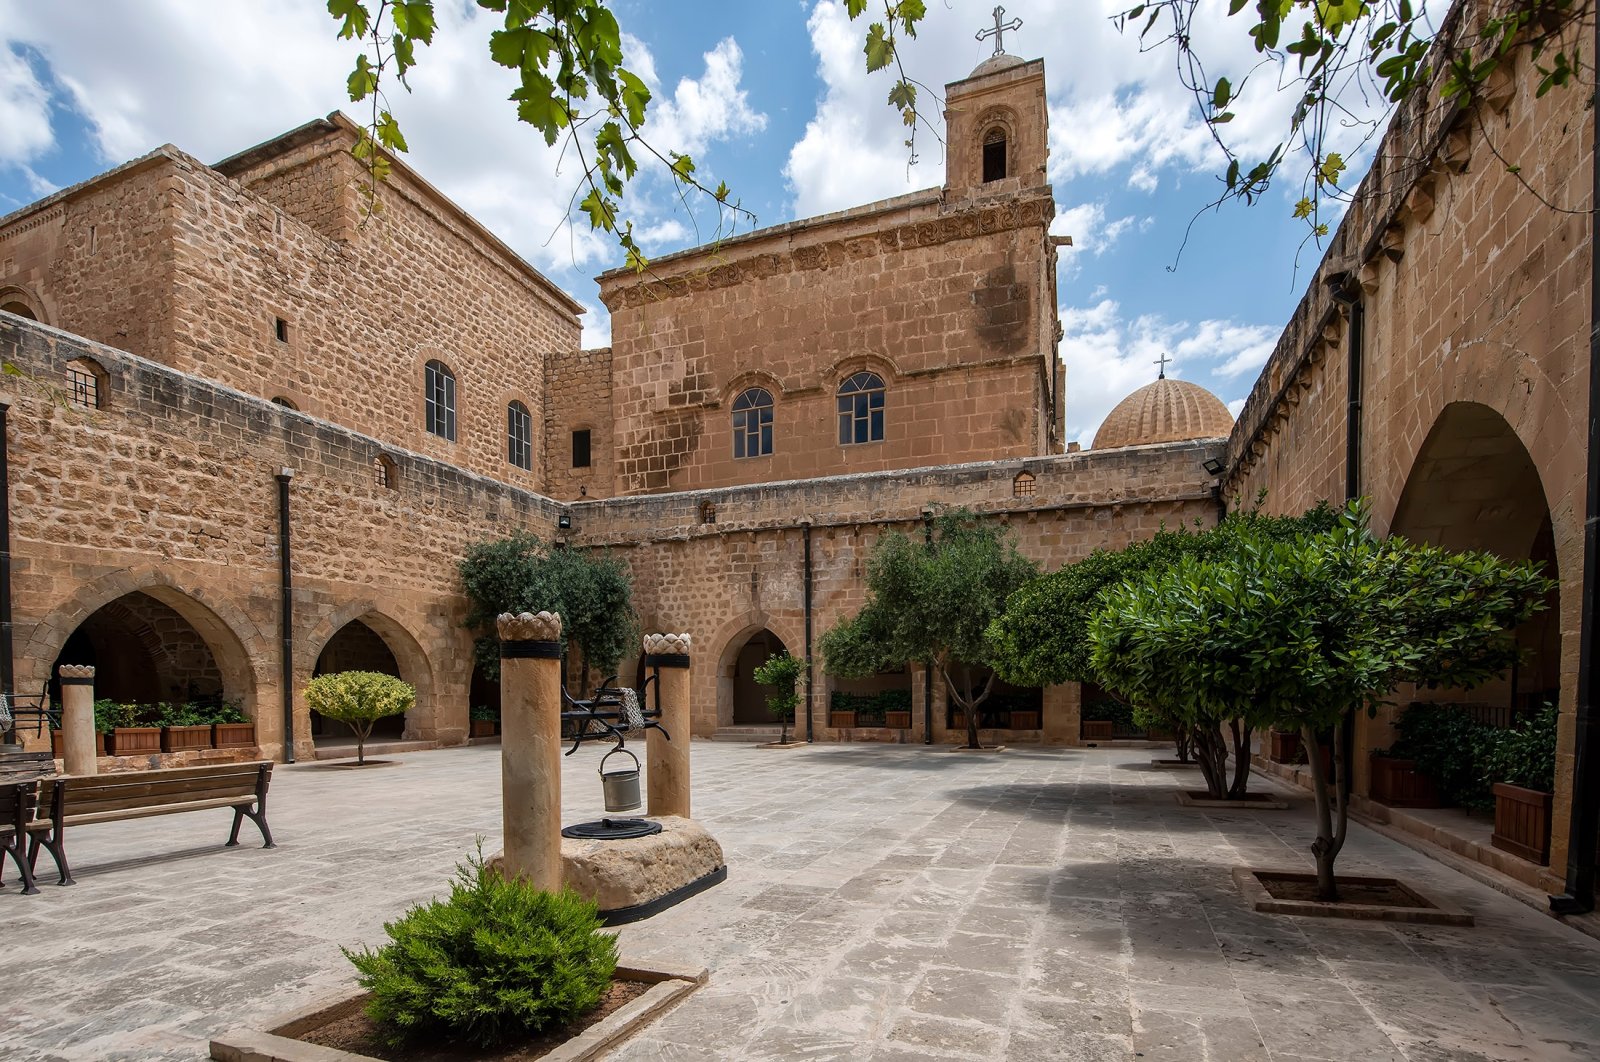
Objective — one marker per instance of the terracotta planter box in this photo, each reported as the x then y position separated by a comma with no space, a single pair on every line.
233,735
1397,783
1024,720
58,747
1522,822
841,720
185,738
484,728
133,741
1099,729
1283,748
897,720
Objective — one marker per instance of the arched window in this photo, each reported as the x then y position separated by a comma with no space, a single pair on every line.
994,155
279,400
861,409
519,436
385,473
1024,485
86,383
439,400
752,423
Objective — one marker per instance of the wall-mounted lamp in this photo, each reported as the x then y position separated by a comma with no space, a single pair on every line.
564,522
1212,465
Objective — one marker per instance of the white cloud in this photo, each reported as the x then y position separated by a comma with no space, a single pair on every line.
24,111
1108,356
701,110
1236,407
1091,234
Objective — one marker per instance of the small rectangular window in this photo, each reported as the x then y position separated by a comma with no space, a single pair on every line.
281,328
580,448
994,161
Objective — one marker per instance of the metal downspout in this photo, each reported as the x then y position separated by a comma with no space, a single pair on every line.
927,665
1584,833
7,672
286,595
805,531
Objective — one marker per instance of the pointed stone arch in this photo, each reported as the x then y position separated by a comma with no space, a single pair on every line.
729,640
411,660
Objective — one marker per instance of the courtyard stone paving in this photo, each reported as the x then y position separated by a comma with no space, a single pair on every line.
883,903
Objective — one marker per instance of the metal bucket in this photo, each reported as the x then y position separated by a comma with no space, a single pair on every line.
621,788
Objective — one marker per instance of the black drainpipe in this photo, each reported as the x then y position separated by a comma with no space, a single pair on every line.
7,675
286,594
927,665
1584,834
805,531
1351,296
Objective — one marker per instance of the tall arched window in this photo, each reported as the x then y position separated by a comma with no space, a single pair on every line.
861,409
519,436
994,155
439,400
752,423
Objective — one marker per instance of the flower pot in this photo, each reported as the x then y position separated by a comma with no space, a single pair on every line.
484,728
897,720
185,738
841,720
1099,729
1398,784
57,745
1283,747
1024,720
233,735
133,741
1522,822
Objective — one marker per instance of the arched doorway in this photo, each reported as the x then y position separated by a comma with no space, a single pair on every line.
1474,486
750,698
145,651
356,647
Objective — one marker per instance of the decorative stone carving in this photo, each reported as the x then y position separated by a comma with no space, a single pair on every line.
76,671
544,627
666,643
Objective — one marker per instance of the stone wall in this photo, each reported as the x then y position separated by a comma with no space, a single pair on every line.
577,388
1475,300
945,302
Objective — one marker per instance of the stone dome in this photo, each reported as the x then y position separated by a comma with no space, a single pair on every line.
1164,411
994,64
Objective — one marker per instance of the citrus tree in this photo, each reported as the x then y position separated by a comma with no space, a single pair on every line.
782,672
933,601
359,699
1302,633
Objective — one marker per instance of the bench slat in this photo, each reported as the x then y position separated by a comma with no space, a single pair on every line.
158,786
94,807
149,810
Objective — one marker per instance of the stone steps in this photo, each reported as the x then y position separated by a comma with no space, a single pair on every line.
342,751
747,733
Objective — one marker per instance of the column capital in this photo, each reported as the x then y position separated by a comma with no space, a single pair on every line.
541,627
666,643
76,674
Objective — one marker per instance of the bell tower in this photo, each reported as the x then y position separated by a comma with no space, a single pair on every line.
996,122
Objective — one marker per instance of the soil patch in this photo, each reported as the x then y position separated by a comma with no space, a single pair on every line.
1202,798
1381,899
1381,894
352,765
354,1031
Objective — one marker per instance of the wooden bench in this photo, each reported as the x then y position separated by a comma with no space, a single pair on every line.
17,803
80,800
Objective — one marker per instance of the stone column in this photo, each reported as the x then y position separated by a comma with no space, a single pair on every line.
530,746
668,656
78,735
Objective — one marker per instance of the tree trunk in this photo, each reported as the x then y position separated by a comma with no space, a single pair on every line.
1184,740
1241,760
1212,753
363,730
1326,847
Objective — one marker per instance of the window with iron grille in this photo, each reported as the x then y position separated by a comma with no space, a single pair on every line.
83,388
519,436
861,409
439,400
1024,486
752,423
384,472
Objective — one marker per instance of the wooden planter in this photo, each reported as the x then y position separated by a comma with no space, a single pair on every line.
897,720
1283,748
133,741
58,747
1024,720
1398,784
1522,822
841,720
233,735
185,738
484,728
1099,729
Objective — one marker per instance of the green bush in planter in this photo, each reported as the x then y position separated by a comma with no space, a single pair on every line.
109,714
1523,755
483,713
497,960
1448,746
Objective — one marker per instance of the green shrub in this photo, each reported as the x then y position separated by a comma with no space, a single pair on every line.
1448,746
227,712
1525,754
108,715
359,699
1110,710
497,960
483,713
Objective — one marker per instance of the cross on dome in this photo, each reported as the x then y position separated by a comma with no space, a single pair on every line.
999,29
1162,361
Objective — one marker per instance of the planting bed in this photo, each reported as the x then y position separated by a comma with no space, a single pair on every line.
1366,898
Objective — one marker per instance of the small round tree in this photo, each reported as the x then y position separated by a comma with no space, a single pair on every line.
359,699
782,672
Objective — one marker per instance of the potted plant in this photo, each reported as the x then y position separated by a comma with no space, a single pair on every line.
184,727
1398,783
897,709
783,674
231,728
1283,746
1521,763
841,710
359,699
485,721
123,734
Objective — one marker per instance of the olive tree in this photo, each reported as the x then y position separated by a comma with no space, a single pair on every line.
1302,633
933,601
359,699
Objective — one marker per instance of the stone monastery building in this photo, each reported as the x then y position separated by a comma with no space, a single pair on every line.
255,435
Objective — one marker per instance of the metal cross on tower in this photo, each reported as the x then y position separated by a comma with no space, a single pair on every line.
998,32
1162,361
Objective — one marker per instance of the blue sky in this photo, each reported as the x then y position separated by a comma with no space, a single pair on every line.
771,97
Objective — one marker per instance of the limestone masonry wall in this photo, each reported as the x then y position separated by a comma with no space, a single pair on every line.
577,389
